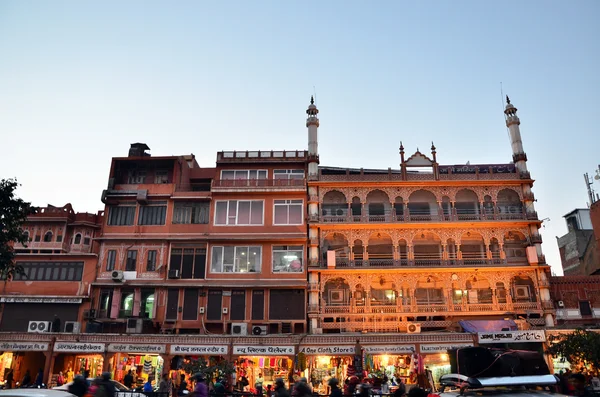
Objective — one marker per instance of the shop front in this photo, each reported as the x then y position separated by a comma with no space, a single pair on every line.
181,356
319,363
145,361
436,361
74,358
19,357
394,362
262,363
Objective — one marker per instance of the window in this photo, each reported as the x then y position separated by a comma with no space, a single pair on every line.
151,263
191,262
59,238
190,304
238,305
286,304
48,237
236,259
161,176
37,237
131,261
288,174
86,241
214,305
191,212
238,212
26,234
172,304
105,303
147,306
121,215
258,304
153,214
244,174
287,212
287,258
77,239
136,177
50,271
110,260
126,307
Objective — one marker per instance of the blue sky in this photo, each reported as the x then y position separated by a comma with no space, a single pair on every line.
80,81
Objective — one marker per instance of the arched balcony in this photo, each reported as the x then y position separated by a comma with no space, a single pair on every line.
466,205
479,292
399,209
509,205
338,243
429,295
427,250
515,247
380,250
334,208
379,209
336,296
472,249
523,293
422,206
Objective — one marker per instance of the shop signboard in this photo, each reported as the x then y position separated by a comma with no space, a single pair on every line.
77,347
23,346
328,350
535,335
209,350
264,350
136,348
443,347
389,349
18,299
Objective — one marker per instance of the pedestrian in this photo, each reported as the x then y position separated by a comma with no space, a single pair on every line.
182,386
580,389
219,387
401,390
259,384
270,391
79,386
26,379
280,390
201,390
105,388
60,379
128,379
148,386
335,389
39,379
164,387
8,381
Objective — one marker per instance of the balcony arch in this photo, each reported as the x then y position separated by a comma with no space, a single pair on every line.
501,292
515,247
48,237
523,289
399,208
467,205
427,249
336,292
479,291
403,251
334,206
472,249
383,292
378,205
380,250
509,204
422,205
495,250
77,239
488,206
358,252
451,251
446,208
429,293
360,295
356,207
338,243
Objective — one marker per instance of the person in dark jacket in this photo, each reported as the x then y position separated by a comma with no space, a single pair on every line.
106,385
39,379
219,387
79,386
335,389
280,390
128,379
26,379
9,379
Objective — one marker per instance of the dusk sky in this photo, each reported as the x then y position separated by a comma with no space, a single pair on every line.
80,81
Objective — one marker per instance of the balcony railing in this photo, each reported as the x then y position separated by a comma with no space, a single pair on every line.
343,215
380,263
262,155
258,183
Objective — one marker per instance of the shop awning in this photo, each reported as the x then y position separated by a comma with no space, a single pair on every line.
474,326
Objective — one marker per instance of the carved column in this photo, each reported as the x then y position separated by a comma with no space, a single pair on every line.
363,212
365,252
444,251
501,249
458,252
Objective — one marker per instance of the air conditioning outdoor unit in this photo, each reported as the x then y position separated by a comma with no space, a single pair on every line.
39,326
521,292
174,273
259,330
414,328
240,329
72,327
117,275
134,325
560,304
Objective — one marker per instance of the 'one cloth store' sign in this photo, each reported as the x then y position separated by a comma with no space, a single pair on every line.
328,350
264,350
135,348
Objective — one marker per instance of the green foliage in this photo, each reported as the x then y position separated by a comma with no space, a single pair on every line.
13,213
581,348
211,370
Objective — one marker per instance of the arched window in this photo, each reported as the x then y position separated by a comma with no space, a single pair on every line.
77,239
26,234
48,237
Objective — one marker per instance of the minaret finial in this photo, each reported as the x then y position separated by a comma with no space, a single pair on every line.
312,100
401,146
432,146
507,100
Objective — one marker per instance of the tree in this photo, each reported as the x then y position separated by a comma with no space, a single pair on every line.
581,348
211,370
13,213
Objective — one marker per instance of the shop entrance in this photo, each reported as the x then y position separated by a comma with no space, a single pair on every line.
143,367
251,369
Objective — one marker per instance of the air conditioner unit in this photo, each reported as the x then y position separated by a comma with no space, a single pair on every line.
117,275
174,273
72,327
521,292
39,326
414,328
134,325
240,329
259,330
201,310
560,304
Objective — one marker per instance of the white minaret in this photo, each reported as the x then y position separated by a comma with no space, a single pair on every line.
312,123
513,122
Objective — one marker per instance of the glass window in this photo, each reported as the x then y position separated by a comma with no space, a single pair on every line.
111,257
288,212
161,176
126,309
191,212
50,271
48,237
288,259
121,215
59,238
239,212
147,304
231,259
153,214
151,263
77,239
37,237
288,174
243,174
131,261
136,176
86,241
